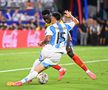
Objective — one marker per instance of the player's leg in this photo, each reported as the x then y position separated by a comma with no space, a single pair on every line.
35,64
31,74
61,70
79,62
57,67
76,59
44,65
29,77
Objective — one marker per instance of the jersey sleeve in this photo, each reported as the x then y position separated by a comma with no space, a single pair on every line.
70,25
48,31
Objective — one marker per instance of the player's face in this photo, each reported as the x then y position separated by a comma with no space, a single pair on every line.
47,19
53,20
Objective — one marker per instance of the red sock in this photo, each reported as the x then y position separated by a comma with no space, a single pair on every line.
78,61
57,67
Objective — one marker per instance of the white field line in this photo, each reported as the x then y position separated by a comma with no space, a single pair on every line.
68,64
18,53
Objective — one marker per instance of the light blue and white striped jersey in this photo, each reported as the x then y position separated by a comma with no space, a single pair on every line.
59,33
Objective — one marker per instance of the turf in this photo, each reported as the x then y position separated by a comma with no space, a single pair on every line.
75,78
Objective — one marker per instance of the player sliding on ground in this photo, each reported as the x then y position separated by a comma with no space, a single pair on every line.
56,37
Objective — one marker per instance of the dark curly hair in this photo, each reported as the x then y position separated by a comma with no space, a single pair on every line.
57,15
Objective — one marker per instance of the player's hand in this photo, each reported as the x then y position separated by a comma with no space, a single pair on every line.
40,44
68,14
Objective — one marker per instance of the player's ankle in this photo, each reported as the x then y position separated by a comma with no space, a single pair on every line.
87,71
62,69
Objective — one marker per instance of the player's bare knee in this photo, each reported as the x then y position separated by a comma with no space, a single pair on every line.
39,68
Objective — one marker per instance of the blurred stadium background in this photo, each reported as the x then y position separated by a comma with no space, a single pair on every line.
23,18
22,27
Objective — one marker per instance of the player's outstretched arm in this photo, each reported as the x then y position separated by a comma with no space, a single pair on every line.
69,15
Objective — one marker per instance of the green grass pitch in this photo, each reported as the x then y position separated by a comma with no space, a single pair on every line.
96,58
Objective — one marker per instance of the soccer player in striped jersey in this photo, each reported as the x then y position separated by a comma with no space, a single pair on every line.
56,37
46,15
70,53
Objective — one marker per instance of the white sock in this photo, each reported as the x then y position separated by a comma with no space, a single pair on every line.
30,76
35,64
61,69
87,71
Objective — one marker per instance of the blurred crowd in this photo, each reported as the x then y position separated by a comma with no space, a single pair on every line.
18,19
27,16
93,32
23,14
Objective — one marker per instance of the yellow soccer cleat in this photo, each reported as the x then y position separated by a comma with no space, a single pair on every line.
19,83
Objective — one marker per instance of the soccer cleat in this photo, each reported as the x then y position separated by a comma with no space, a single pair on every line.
19,83
91,75
61,74
10,83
